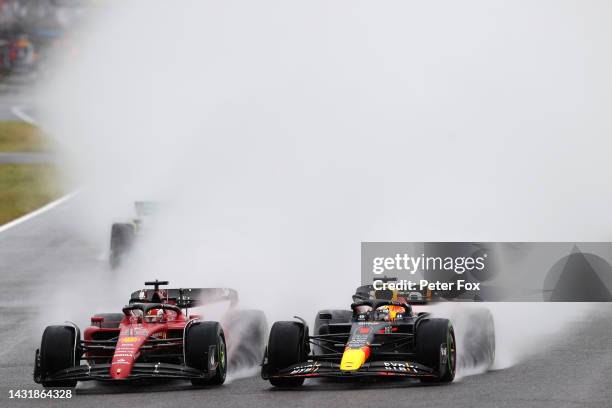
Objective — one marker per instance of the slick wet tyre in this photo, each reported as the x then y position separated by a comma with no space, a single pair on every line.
286,347
58,352
199,338
432,336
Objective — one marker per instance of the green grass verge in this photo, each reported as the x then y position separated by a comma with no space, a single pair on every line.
26,187
22,137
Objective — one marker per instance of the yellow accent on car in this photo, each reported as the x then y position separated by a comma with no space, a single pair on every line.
352,359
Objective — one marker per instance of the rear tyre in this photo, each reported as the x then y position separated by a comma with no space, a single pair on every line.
199,338
286,347
111,320
57,352
433,336
122,238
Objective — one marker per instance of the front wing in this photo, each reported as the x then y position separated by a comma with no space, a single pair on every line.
101,372
329,369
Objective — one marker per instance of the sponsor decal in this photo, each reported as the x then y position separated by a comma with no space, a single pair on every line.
358,341
129,339
443,355
306,369
399,366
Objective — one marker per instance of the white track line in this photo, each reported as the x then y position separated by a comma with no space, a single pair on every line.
18,111
41,210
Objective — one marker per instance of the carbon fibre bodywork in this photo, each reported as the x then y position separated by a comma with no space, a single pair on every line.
370,347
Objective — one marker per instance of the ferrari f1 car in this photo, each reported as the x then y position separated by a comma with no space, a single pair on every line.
124,234
153,338
381,336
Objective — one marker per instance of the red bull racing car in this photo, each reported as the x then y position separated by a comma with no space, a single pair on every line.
153,338
381,336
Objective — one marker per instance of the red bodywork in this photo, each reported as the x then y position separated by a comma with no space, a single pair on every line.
136,336
152,338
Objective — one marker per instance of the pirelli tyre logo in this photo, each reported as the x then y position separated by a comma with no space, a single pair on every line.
404,367
306,369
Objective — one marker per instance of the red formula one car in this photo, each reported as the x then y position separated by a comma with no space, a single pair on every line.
153,338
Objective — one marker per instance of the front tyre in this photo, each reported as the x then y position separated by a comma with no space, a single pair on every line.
437,349
57,352
200,339
286,347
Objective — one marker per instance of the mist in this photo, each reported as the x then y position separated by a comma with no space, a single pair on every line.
279,135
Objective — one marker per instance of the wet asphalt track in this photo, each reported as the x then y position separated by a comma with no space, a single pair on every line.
27,158
46,253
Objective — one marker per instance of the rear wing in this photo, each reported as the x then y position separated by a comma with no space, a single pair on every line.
186,298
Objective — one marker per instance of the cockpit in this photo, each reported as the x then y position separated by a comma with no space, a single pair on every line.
152,312
380,310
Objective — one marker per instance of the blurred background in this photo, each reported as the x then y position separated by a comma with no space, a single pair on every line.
31,31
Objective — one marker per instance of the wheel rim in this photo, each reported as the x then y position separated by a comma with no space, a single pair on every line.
222,356
451,352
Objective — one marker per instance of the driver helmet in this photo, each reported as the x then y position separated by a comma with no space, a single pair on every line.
389,313
363,309
154,315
